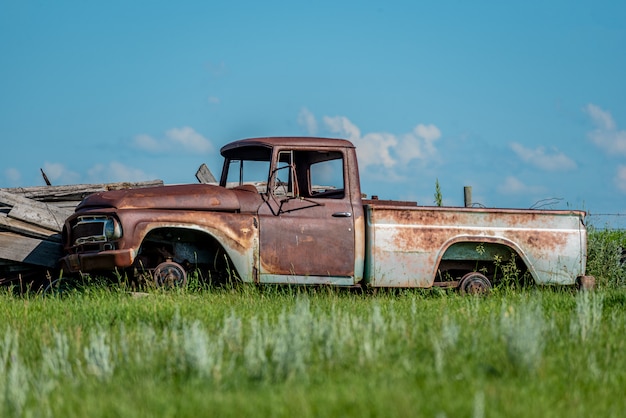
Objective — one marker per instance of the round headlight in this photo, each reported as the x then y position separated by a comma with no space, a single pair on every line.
112,229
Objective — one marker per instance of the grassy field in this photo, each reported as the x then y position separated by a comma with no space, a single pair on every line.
285,352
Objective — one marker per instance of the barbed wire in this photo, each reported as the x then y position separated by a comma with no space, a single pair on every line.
546,202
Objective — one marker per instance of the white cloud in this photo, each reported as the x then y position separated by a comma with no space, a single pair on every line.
116,172
147,143
184,138
383,148
341,125
546,161
606,135
13,175
307,120
601,118
214,100
59,174
376,148
620,178
419,144
430,133
372,149
514,186
189,139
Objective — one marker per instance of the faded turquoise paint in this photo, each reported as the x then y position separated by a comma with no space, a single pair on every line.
476,251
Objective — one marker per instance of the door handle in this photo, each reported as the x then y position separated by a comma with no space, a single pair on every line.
342,215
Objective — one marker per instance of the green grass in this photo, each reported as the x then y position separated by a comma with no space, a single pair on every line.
282,352
606,256
289,352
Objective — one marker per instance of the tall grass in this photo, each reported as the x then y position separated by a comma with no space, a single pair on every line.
606,256
246,351
289,352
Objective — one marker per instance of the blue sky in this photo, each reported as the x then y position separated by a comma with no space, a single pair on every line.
524,101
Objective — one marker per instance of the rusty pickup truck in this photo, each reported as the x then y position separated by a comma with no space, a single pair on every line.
290,210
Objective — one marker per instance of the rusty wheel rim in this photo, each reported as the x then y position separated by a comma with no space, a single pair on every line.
169,274
474,283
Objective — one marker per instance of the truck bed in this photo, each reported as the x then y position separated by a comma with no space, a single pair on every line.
405,245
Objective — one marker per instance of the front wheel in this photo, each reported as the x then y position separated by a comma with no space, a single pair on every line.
474,283
169,274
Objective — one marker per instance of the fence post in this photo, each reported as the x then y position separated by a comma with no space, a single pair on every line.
467,194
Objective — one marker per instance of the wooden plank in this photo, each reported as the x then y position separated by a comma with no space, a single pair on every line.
50,218
32,211
74,192
24,228
64,204
204,175
15,247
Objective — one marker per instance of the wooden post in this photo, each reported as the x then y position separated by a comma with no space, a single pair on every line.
205,176
467,194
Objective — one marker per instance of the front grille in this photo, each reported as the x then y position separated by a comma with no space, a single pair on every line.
89,229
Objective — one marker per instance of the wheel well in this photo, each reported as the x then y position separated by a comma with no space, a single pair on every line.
499,262
190,248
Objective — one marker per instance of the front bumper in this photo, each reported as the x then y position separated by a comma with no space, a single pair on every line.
104,260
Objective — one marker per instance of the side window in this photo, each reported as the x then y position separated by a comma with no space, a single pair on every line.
326,177
253,172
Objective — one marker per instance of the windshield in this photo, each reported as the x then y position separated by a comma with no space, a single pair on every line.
249,166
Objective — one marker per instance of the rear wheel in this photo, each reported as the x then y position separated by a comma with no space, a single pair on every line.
474,283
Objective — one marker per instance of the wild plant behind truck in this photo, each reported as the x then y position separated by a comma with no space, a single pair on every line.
607,256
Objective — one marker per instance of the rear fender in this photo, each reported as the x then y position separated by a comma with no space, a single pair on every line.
448,249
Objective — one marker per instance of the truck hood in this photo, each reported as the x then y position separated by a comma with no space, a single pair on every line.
177,197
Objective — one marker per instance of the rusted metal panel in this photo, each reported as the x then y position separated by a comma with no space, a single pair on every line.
178,197
289,142
140,212
311,237
237,233
407,244
308,242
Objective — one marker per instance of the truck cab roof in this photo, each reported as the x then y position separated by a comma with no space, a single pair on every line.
302,142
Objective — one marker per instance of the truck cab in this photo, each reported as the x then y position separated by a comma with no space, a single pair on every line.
311,210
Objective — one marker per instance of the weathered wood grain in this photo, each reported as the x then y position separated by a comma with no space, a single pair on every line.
27,229
32,211
74,192
50,217
16,247
204,175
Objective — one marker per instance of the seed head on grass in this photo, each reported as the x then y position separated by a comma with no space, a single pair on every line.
588,315
203,356
255,352
98,355
291,347
523,331
56,359
14,377
444,340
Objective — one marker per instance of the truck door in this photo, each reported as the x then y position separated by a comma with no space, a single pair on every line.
307,223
